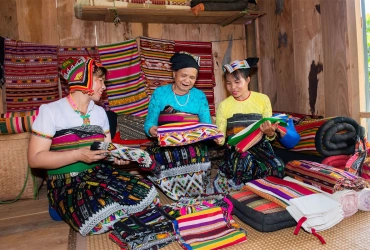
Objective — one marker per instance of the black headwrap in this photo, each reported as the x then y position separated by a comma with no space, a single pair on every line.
182,60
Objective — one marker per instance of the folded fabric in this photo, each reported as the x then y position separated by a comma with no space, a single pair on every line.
131,127
181,171
131,154
207,229
259,213
348,199
364,199
288,136
183,133
177,117
252,134
17,122
148,229
327,178
319,212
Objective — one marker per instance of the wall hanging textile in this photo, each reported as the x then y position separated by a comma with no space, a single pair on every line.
17,122
207,229
259,213
31,75
155,62
125,82
2,54
327,178
181,171
206,78
327,137
184,133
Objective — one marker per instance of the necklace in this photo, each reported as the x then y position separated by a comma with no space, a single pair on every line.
85,117
187,99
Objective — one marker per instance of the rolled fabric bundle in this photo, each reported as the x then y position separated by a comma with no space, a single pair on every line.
364,199
337,161
349,200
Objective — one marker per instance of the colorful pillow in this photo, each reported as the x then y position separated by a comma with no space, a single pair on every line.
17,122
184,133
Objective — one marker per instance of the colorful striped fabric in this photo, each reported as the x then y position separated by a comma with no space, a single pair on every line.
177,117
159,2
125,81
65,52
207,229
252,134
206,78
31,75
155,62
17,122
183,133
326,178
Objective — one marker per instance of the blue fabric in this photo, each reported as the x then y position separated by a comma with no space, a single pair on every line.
291,138
163,96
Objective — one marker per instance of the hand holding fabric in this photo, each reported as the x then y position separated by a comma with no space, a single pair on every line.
153,131
268,128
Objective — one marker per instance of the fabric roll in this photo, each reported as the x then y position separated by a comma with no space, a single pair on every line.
349,201
364,199
337,161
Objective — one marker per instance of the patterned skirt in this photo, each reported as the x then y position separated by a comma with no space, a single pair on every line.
239,168
93,200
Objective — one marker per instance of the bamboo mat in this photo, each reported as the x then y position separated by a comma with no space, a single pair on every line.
351,233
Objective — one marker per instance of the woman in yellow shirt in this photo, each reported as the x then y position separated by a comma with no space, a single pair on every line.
236,112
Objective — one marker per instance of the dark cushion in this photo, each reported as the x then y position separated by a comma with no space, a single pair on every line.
259,213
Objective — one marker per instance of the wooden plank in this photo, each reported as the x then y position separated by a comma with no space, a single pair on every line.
250,31
37,21
308,58
268,44
355,62
8,19
147,15
334,39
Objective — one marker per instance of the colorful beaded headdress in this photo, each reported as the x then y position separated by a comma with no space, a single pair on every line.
240,64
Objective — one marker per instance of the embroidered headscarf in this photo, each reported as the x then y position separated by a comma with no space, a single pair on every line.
184,59
240,64
79,73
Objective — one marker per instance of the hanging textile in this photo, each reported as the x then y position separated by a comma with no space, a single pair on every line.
31,75
125,82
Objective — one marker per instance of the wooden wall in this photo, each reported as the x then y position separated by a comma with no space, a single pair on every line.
54,22
308,53
308,49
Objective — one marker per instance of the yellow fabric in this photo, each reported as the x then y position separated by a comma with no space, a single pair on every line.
257,103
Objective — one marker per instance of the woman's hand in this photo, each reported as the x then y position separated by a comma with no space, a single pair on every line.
269,129
220,140
153,131
120,161
89,156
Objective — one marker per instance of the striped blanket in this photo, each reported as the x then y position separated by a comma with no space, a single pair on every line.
125,82
207,229
31,75
326,137
326,178
17,122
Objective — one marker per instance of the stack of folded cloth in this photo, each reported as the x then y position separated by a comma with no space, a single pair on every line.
149,229
312,210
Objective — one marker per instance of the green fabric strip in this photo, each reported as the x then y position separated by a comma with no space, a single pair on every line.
75,167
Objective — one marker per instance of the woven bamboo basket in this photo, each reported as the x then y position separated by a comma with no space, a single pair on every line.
14,168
